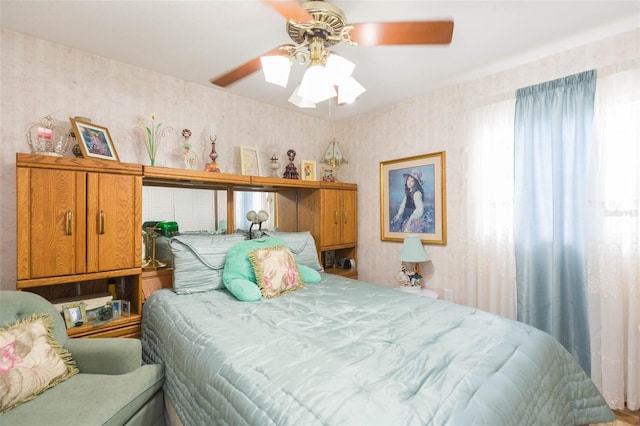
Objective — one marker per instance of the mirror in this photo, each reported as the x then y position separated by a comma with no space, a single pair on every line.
193,209
204,209
245,201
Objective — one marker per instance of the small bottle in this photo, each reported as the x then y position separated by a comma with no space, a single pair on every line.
111,284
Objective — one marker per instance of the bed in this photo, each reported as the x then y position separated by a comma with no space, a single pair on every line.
345,352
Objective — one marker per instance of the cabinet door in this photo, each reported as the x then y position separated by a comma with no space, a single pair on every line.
51,223
349,217
114,226
331,217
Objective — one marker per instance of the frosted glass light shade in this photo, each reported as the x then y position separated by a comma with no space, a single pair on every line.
349,90
412,250
316,85
339,68
299,101
276,69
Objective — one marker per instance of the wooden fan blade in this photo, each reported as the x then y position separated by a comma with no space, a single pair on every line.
246,69
387,33
292,10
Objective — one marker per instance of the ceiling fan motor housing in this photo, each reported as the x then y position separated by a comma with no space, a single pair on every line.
328,21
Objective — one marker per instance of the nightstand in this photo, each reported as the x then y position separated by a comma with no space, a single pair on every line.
424,292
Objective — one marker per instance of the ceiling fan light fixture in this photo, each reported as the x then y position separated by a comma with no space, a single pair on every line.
276,69
316,85
339,68
299,101
349,90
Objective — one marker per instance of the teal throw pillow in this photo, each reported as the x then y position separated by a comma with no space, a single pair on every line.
237,264
309,275
244,290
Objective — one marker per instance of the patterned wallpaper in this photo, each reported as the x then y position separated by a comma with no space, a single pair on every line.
40,78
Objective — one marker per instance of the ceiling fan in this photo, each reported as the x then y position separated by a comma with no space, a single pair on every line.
314,27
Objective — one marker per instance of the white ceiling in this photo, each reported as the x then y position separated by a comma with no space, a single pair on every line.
199,40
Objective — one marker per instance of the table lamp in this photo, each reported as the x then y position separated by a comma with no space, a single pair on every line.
412,252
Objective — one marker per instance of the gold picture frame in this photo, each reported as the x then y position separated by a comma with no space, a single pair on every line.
94,141
308,170
428,178
250,161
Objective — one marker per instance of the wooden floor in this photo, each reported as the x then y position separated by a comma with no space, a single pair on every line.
624,418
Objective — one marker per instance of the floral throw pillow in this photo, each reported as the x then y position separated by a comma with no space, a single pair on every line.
31,361
276,271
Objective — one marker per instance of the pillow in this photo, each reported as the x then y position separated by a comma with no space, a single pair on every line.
237,264
244,290
31,361
276,271
198,261
309,275
302,245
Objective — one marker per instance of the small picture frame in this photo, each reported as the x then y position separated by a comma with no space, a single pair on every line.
308,169
329,259
94,141
125,309
75,314
117,308
328,174
250,161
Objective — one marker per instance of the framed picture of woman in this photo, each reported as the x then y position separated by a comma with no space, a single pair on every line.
413,198
94,141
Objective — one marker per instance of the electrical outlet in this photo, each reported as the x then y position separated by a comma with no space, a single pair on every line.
448,294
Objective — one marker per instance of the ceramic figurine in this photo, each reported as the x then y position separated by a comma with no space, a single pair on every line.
291,172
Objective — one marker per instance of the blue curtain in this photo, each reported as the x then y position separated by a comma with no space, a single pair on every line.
552,132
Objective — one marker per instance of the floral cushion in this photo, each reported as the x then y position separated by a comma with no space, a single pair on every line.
31,361
276,271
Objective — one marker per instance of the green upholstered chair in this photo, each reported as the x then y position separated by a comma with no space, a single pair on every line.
111,388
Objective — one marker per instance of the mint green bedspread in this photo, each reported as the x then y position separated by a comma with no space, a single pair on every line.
344,352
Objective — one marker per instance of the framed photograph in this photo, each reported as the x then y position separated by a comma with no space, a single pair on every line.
75,314
117,308
125,308
329,174
94,141
329,258
308,169
413,198
250,161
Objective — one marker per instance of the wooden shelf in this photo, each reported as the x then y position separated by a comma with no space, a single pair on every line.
348,273
120,327
85,164
65,279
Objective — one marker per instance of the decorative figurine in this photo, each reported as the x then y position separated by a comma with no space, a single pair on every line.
152,136
188,154
291,172
402,278
212,166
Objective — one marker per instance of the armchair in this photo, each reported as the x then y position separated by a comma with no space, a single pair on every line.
111,388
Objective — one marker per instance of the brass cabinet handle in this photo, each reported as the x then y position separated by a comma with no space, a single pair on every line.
69,223
101,221
335,217
346,217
